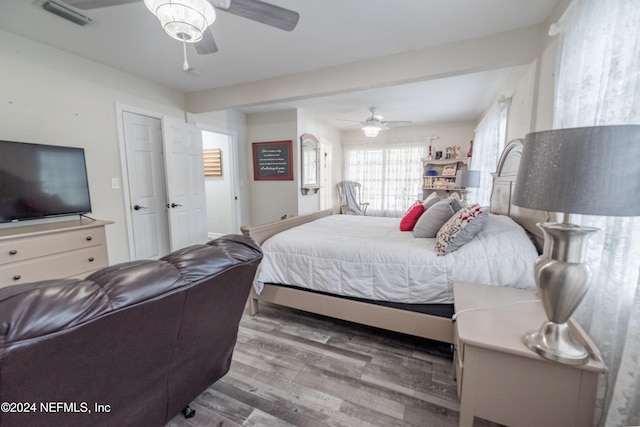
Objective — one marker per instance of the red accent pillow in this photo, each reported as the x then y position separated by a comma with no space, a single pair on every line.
411,217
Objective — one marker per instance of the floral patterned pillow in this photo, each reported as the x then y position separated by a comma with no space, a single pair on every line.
461,228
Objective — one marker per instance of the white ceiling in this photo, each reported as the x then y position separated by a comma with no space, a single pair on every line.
329,33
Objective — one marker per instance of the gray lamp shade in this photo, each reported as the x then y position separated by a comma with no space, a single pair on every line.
469,179
589,170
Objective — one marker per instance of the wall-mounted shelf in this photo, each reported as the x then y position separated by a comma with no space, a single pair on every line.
310,190
440,175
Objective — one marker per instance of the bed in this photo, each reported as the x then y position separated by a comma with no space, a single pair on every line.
371,273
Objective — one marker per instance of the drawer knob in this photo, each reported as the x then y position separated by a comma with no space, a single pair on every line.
89,238
17,277
91,259
13,252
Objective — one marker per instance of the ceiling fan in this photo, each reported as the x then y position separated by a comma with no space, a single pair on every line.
375,123
179,11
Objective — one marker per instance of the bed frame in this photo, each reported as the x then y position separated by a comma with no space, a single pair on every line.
394,319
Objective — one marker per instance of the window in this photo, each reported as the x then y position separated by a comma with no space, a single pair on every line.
597,84
487,147
390,174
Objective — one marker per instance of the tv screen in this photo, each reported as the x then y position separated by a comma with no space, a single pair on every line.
39,181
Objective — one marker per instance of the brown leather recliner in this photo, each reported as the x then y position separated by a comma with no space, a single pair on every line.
132,345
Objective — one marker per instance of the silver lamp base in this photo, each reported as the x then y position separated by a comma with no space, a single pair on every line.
562,278
554,341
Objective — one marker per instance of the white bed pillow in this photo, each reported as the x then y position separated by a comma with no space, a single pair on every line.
433,219
456,202
463,226
431,200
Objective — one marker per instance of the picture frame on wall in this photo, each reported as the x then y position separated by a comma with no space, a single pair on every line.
273,160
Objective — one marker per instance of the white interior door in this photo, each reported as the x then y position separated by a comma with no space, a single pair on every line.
186,197
145,168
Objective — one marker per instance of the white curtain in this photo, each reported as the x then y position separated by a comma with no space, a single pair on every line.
488,144
390,173
598,83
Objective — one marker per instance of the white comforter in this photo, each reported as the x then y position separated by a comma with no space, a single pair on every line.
369,257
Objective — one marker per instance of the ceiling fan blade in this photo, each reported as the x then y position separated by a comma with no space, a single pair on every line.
207,45
398,123
95,4
347,120
265,13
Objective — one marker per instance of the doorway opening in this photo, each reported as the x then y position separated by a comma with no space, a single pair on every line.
222,209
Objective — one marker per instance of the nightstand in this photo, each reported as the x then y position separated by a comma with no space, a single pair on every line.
500,379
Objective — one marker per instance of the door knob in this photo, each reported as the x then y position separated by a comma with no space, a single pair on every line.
138,207
175,205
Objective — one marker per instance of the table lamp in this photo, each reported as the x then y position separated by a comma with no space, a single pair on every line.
588,170
467,179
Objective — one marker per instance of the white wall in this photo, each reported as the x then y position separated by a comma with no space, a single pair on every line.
532,86
270,200
520,87
325,135
51,97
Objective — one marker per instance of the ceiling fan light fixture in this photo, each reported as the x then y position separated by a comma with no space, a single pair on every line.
184,20
371,131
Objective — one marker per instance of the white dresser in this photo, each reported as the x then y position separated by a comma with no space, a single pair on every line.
53,250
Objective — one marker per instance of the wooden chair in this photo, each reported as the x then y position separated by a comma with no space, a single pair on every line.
358,187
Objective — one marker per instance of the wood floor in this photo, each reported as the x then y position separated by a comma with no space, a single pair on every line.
292,368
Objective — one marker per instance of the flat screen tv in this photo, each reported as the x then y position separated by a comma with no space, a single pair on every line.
40,181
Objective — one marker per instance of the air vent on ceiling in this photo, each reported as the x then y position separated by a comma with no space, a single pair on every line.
64,11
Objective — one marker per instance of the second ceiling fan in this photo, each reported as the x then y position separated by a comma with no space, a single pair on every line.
375,123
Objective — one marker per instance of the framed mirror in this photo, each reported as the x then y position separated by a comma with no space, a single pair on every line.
309,163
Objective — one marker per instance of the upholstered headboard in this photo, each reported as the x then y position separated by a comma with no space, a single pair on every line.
504,183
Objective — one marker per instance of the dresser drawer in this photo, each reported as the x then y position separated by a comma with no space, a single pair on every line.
24,248
72,263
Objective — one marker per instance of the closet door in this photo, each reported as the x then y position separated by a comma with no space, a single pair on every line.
186,203
149,226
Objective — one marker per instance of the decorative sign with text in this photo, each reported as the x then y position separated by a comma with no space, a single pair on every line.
273,161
